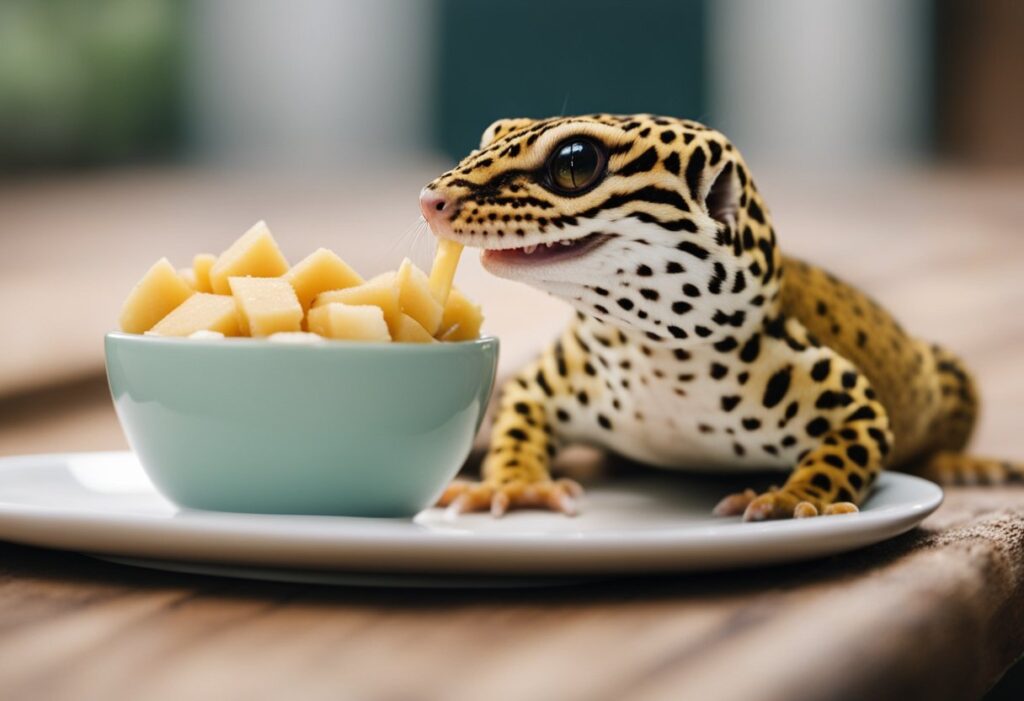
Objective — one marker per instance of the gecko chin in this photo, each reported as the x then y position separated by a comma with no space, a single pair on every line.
544,254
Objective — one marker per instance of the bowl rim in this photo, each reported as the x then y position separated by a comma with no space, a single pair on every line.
327,345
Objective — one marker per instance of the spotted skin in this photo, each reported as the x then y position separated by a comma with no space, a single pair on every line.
696,343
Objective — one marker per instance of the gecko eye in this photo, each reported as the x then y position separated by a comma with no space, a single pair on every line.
575,165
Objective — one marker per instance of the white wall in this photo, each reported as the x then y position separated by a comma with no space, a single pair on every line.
821,84
308,83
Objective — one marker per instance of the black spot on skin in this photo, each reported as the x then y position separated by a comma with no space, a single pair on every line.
644,271
717,278
676,331
516,433
862,414
542,382
754,211
718,371
641,164
855,481
600,308
743,377
726,344
770,449
673,268
716,152
862,339
858,454
740,283
691,290
821,370
849,379
844,494
751,349
702,331
817,427
649,294
681,354
879,438
588,368
738,449
582,398
830,400
822,482
671,163
848,434
777,386
562,415
693,249
522,408
822,308
834,461
751,424
681,307
604,422
695,171
704,428
729,402
625,303
788,441
667,136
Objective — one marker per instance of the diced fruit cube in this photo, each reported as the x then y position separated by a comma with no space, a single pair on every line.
318,272
443,271
206,335
410,331
462,319
188,276
381,291
159,291
265,305
353,323
200,312
201,266
416,299
255,254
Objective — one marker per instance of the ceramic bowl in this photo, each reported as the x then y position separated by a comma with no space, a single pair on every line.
333,428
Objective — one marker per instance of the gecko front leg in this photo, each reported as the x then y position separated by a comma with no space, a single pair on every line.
516,471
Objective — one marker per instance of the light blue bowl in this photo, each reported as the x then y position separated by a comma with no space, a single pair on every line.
339,428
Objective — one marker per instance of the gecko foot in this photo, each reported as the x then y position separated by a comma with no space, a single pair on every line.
559,495
776,504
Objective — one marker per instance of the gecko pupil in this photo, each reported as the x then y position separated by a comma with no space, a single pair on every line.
575,165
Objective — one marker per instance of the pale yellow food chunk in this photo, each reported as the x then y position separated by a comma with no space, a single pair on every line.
382,291
255,254
318,272
188,276
159,291
295,337
266,305
416,299
348,322
201,266
462,319
200,312
410,331
443,271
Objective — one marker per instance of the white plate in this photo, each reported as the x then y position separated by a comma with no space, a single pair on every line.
102,504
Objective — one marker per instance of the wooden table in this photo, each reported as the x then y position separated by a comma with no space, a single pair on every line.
937,613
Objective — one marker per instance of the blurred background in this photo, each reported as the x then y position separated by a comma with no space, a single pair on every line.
887,136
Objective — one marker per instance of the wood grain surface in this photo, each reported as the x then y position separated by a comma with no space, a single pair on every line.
937,613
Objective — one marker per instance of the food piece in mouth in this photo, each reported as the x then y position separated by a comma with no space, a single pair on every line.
415,297
266,305
200,312
446,260
547,252
349,322
255,254
158,293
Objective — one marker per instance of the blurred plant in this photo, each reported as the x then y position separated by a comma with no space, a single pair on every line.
88,82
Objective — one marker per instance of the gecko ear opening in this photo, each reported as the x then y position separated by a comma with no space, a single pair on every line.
723,198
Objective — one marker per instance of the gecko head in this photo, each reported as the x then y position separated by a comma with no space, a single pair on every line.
646,222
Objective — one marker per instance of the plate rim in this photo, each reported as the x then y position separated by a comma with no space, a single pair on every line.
215,531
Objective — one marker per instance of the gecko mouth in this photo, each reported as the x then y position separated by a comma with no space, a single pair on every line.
548,252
